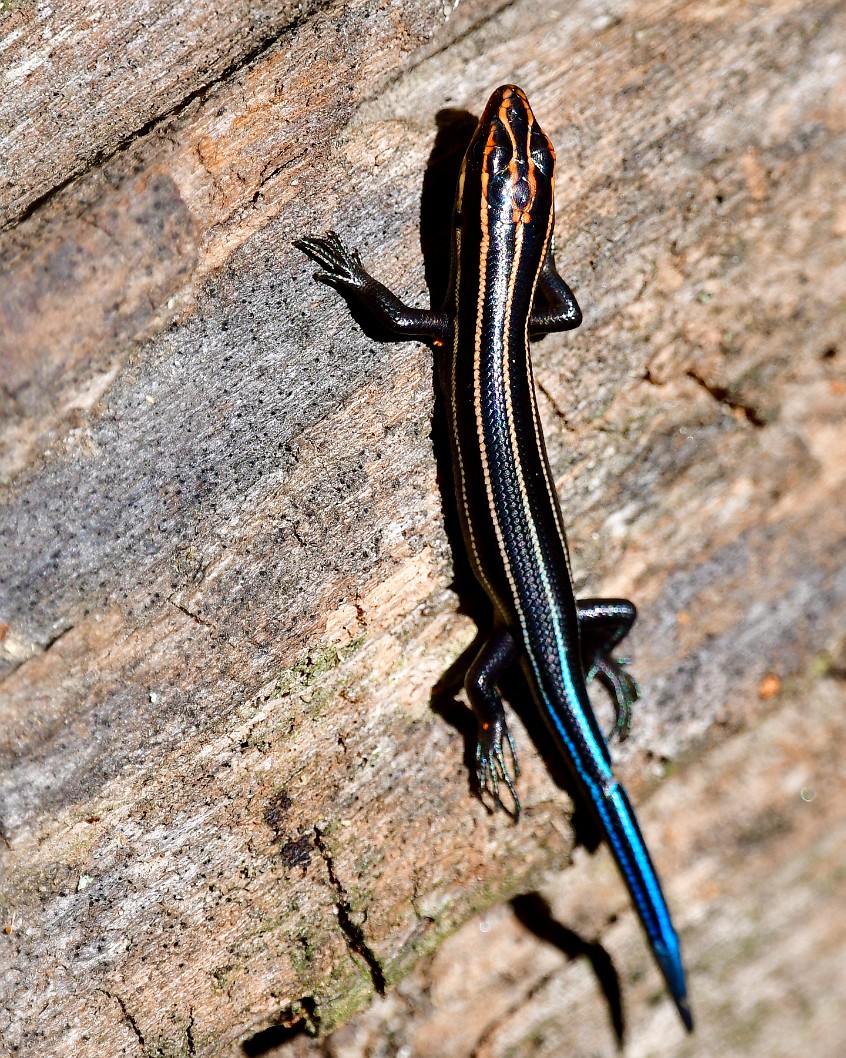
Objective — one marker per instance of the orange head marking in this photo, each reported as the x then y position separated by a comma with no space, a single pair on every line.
517,159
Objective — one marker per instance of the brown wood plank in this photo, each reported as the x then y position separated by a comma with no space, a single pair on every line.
225,582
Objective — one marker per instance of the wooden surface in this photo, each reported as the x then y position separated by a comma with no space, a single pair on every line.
235,799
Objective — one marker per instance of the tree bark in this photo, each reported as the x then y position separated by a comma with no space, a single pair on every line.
235,792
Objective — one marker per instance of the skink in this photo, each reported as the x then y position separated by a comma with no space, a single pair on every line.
502,259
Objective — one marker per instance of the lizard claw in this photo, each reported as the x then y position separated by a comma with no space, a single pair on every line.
340,267
624,691
491,767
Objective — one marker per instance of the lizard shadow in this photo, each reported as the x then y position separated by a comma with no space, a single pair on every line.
533,912
455,129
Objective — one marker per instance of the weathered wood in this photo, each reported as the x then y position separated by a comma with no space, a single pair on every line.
80,83
753,840
226,599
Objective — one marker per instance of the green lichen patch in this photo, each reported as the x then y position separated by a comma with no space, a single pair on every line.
305,672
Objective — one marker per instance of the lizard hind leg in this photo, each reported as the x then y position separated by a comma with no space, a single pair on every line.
603,623
497,654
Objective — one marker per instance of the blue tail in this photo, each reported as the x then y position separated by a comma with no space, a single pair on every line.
629,849
568,713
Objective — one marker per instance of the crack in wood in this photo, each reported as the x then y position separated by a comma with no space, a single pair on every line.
265,180
127,1017
189,1032
723,395
193,616
34,651
356,941
55,639
556,407
298,1019
213,627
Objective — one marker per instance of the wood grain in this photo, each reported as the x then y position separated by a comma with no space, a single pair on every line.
235,796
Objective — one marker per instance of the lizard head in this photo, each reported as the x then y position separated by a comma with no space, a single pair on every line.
511,161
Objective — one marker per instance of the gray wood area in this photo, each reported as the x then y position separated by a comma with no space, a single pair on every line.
235,801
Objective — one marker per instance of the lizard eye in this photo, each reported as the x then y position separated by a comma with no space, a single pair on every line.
499,159
543,153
